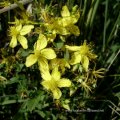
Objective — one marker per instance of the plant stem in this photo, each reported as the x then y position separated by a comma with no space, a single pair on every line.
113,59
15,5
105,25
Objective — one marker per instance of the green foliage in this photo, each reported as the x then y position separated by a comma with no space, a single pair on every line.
60,60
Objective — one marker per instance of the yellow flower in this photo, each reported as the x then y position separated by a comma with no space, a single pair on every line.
56,27
54,81
17,33
68,20
81,54
41,54
63,25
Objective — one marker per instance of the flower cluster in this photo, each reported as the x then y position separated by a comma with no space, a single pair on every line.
52,62
81,54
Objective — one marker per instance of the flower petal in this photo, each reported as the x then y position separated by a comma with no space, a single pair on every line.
23,41
57,93
51,37
74,29
72,48
43,64
85,62
44,69
41,42
58,27
64,82
26,29
45,75
18,27
56,74
48,53
45,84
66,21
30,60
65,12
76,58
13,42
75,17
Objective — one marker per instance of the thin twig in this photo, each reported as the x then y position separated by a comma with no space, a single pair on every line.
114,110
15,5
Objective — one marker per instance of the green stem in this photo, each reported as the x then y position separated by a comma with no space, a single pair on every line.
111,34
113,60
12,102
105,25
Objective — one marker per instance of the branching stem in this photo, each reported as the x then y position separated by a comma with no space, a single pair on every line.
15,5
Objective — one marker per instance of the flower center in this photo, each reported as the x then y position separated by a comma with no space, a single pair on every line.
13,31
84,50
53,84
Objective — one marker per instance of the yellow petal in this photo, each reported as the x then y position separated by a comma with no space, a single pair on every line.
53,63
59,28
45,75
71,20
66,21
66,106
48,53
64,82
74,30
23,41
65,12
75,17
92,56
56,74
13,42
41,42
43,64
85,63
76,58
30,60
26,29
44,68
19,27
62,31
51,37
72,48
67,64
57,93
45,84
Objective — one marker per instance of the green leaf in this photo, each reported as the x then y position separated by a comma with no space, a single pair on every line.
35,102
41,113
66,55
32,103
24,53
13,80
19,116
59,44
